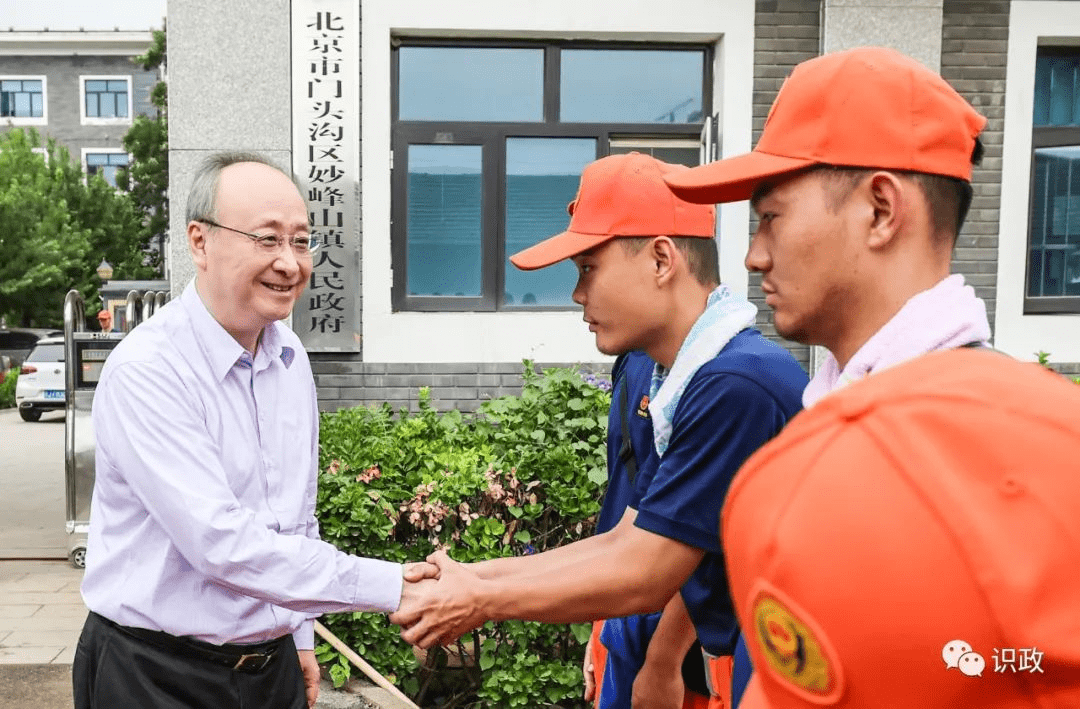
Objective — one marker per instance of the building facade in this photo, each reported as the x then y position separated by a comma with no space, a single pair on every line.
435,139
80,88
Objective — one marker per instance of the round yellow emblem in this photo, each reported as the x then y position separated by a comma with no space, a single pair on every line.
791,647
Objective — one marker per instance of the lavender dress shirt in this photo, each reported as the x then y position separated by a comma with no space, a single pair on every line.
202,518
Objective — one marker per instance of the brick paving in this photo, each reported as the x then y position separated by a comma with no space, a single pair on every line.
41,612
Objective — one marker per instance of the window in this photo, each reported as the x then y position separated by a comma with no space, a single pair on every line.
106,99
22,99
1053,259
489,142
104,164
47,353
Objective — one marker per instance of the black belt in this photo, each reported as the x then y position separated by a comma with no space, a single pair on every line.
242,658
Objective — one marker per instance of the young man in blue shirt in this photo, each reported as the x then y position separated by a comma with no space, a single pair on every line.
619,647
648,280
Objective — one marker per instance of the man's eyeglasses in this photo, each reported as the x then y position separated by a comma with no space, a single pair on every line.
302,244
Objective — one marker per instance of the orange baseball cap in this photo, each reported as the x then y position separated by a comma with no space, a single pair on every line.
913,540
869,107
621,196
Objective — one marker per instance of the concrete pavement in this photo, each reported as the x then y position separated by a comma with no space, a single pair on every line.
32,499
41,612
41,615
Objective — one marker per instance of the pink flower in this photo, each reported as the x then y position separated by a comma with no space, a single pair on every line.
372,473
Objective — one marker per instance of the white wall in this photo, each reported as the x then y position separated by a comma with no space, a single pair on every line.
1030,23
545,336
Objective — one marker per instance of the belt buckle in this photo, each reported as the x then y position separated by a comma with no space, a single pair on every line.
253,663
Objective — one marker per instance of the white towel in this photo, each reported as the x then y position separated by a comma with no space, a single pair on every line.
946,316
726,315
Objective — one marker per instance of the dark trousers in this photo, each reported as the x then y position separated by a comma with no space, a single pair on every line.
127,668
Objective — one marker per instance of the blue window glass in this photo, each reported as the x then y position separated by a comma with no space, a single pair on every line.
542,176
106,98
1057,90
470,84
631,85
105,164
444,220
1054,258
21,98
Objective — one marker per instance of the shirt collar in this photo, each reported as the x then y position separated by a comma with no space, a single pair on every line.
221,348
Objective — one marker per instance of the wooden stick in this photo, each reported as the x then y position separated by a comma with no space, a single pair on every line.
367,669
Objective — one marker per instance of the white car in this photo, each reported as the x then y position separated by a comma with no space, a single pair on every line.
41,382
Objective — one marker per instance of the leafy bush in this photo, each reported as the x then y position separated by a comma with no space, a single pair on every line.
7,389
1043,358
522,475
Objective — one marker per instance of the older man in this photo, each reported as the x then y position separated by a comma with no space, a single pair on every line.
204,565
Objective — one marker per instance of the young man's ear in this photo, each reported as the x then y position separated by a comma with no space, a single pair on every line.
196,234
888,197
664,254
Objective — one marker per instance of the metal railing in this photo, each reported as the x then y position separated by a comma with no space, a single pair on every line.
141,306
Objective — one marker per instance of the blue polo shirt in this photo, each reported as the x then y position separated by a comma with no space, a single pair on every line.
732,405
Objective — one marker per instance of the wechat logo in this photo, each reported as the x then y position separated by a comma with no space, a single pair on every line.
958,655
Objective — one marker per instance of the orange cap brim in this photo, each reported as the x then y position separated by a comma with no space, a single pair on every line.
732,179
557,248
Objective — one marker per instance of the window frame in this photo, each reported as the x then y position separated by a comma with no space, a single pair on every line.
98,121
492,135
1047,137
41,120
102,151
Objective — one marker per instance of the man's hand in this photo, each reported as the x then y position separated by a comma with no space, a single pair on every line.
438,612
589,672
658,686
659,682
310,667
418,571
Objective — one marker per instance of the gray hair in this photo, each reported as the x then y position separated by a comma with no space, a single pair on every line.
202,199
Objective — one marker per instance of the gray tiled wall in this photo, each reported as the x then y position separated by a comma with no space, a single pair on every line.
463,386
974,42
63,96
787,32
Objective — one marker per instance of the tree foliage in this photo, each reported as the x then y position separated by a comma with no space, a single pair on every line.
55,228
146,179
56,225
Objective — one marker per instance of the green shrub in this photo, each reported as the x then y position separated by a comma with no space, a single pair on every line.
522,475
7,389
1043,358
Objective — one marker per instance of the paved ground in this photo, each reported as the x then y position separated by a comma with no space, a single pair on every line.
32,502
35,686
41,612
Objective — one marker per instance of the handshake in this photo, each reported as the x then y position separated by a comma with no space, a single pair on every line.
441,600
